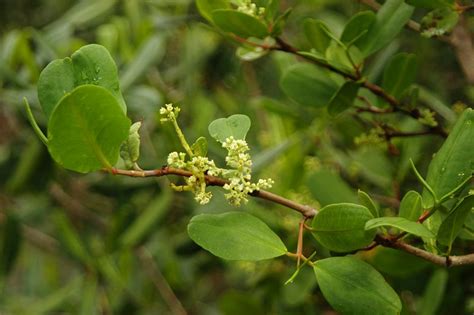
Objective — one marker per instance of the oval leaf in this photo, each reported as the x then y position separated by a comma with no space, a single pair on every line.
399,74
452,225
239,23
340,227
318,34
344,98
308,85
206,7
357,26
352,286
86,129
235,126
366,201
389,21
410,206
454,162
235,236
439,22
400,223
91,64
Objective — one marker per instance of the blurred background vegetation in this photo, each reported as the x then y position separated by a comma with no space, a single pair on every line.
99,244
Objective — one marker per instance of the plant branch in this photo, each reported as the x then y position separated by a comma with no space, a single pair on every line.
373,88
448,261
305,210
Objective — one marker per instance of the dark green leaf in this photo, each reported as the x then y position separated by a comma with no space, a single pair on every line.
239,23
318,34
434,292
399,74
352,286
396,263
340,227
308,85
235,126
402,224
411,206
366,201
235,236
452,225
389,21
344,98
86,129
439,22
454,162
357,27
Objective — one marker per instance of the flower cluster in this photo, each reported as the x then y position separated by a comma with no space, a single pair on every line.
427,118
238,160
198,166
169,112
250,8
374,137
239,185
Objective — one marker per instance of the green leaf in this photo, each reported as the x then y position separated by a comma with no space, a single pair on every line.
452,225
235,126
344,98
91,64
366,201
431,4
308,85
239,23
352,286
389,21
343,58
54,82
454,162
318,34
357,27
235,236
199,147
206,7
434,292
9,244
340,227
86,129
439,22
130,149
411,206
399,74
402,224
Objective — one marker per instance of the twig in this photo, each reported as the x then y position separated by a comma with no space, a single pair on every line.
373,88
305,210
448,261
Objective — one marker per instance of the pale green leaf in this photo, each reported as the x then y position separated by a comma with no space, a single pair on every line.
235,126
235,236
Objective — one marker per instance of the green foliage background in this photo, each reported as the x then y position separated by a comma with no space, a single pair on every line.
93,244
